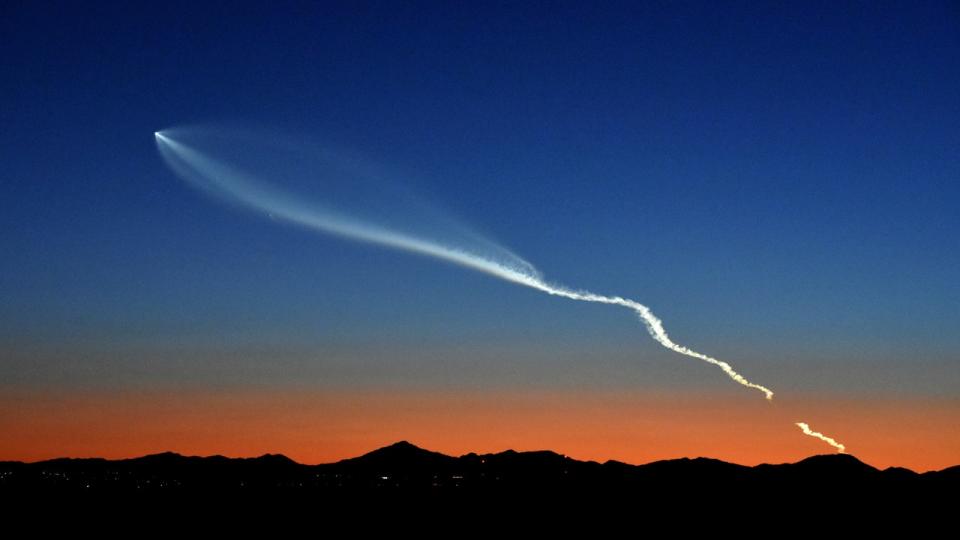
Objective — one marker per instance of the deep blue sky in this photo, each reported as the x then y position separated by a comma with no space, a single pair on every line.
778,182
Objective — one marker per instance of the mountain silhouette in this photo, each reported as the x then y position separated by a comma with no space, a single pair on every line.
403,468
400,456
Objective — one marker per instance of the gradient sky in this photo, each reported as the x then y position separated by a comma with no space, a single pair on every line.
777,182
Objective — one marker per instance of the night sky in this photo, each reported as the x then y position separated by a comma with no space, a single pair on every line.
777,181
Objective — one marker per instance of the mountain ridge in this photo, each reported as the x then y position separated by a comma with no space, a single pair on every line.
403,467
405,448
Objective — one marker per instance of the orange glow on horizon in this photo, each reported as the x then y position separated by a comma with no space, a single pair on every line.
320,426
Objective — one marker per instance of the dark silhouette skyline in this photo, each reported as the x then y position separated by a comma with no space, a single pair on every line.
403,467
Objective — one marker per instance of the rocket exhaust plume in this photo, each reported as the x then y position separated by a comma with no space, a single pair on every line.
807,431
239,186
653,324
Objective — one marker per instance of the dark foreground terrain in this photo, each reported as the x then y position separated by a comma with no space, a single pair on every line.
403,468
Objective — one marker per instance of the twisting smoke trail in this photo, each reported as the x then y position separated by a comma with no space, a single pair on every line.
223,180
653,324
816,434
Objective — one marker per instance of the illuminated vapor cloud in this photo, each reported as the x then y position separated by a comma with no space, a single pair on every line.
653,324
220,179
807,431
